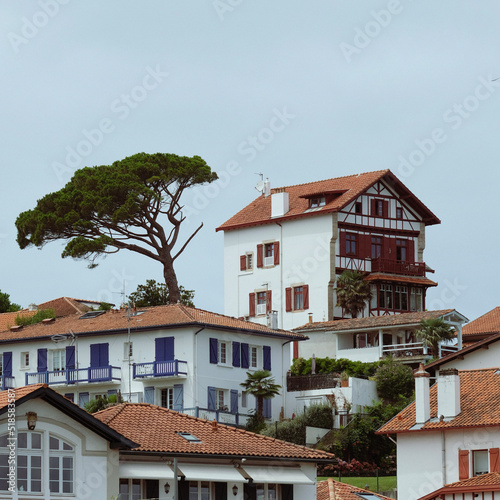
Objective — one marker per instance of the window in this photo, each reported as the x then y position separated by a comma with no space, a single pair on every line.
358,207
415,299
199,490
60,466
261,303
130,489
351,240
373,300
376,247
255,356
167,398
297,298
128,350
317,202
269,254
399,213
401,249
385,296
189,437
244,399
221,400
480,461
249,259
267,491
401,298
379,208
246,261
25,360
224,352
58,359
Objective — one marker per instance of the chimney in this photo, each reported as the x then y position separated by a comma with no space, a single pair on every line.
422,399
279,203
267,188
448,393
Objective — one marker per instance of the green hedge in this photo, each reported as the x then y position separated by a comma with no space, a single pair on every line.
357,369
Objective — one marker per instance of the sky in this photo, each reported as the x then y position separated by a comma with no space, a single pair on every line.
353,86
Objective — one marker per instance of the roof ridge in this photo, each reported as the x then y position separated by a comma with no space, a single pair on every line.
331,179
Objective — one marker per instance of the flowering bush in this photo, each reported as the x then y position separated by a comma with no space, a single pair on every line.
352,468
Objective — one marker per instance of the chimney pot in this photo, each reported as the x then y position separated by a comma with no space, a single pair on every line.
422,396
449,393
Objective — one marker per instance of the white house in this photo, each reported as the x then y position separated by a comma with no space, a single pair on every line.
157,454
178,357
284,251
450,433
373,338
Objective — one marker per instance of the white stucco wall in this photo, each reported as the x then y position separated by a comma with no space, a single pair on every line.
481,358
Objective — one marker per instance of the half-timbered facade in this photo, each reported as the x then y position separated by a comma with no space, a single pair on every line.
284,252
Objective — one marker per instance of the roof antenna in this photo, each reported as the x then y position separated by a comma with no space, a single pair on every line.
260,185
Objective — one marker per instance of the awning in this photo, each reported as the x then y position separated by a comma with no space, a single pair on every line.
217,473
277,474
145,470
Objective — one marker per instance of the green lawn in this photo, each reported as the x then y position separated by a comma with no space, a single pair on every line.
385,483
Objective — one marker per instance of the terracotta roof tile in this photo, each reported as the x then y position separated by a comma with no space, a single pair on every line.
348,188
155,429
65,306
412,318
479,403
487,482
335,490
19,393
153,317
488,323
9,319
492,478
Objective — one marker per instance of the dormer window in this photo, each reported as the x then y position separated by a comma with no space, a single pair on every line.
316,202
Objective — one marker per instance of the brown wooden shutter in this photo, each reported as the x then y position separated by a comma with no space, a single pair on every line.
306,296
276,253
385,209
391,248
243,262
411,251
260,254
251,304
372,208
295,349
269,302
494,460
288,299
463,464
365,246
342,244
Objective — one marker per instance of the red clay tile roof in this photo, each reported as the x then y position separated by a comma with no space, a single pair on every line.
9,319
335,490
487,324
155,429
478,484
349,188
174,315
479,403
412,318
400,279
65,306
19,393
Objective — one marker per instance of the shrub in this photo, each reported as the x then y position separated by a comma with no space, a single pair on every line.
36,318
394,380
301,366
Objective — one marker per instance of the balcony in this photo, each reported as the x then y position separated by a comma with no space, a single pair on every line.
7,382
398,267
312,382
172,368
221,416
72,376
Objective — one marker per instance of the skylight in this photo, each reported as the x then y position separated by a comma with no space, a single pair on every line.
368,496
189,437
91,314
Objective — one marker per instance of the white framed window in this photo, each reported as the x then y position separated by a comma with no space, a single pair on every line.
220,395
249,256
128,350
415,299
244,399
224,356
167,398
269,254
480,462
25,360
135,489
61,464
199,490
267,491
261,303
255,355
58,357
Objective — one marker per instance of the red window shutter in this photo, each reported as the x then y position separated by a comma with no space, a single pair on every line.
411,251
343,251
288,299
306,296
295,350
269,302
260,254
390,248
276,253
385,209
494,460
251,304
366,246
372,208
463,464
243,262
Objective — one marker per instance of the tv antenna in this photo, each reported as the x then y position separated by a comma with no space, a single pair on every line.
260,185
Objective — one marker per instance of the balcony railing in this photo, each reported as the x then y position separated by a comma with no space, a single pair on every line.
416,349
72,376
311,382
172,368
7,382
398,267
221,416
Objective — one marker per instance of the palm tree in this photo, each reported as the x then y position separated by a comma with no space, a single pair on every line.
261,385
433,331
353,292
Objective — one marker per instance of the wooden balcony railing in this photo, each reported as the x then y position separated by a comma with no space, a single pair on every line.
311,382
398,267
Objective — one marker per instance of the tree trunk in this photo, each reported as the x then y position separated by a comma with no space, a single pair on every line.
260,407
171,280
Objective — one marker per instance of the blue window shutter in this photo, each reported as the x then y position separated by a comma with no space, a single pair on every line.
244,356
169,348
178,397
234,401
104,354
42,360
211,398
112,392
214,345
149,395
7,364
267,357
267,408
236,354
83,398
70,357
94,355
160,349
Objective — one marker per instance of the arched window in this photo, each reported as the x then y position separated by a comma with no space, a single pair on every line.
61,463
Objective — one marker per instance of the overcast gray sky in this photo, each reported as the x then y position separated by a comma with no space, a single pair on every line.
357,86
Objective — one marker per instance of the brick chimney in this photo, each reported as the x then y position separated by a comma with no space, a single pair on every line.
422,397
448,393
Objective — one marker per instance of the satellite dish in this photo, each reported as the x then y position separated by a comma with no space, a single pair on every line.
260,186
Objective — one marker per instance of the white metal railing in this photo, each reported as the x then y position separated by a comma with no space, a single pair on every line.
269,261
261,308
